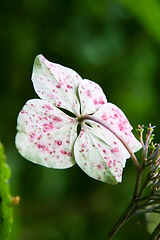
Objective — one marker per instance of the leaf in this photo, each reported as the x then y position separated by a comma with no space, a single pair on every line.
6,211
100,154
56,84
91,97
46,134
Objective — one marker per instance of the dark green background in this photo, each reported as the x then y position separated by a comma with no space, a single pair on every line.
114,43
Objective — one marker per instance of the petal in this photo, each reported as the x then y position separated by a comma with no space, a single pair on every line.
46,135
100,154
91,96
56,84
115,118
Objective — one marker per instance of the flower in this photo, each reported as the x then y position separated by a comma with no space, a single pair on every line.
51,137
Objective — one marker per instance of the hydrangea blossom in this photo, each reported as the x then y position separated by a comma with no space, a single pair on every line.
48,136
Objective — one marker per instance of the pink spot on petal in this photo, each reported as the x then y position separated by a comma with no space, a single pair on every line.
99,166
32,135
63,152
56,119
48,125
89,94
48,107
101,102
104,117
68,86
40,136
59,104
121,127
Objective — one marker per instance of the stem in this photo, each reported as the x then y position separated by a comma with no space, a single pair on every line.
131,209
138,182
124,217
92,118
156,233
150,129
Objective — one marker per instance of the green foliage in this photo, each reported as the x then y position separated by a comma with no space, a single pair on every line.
148,13
112,42
5,198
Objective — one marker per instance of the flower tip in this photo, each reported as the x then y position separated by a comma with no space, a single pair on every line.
39,58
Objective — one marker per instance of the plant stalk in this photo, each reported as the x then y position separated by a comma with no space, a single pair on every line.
130,210
156,233
124,217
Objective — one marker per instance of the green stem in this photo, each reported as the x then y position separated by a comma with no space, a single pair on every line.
156,233
138,182
124,217
130,210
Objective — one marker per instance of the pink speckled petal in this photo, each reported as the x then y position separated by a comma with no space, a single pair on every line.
56,84
46,135
91,96
100,154
115,118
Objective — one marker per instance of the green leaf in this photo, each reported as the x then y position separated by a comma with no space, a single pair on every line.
6,212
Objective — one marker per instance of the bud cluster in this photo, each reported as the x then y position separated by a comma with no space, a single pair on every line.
149,195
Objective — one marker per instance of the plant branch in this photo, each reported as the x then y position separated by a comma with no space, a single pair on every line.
124,217
138,182
156,233
139,203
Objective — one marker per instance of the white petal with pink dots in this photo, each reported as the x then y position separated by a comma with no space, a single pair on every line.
46,135
91,97
56,84
100,154
115,118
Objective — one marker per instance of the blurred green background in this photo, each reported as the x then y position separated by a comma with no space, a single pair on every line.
114,43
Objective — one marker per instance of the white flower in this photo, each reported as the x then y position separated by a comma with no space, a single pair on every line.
48,136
